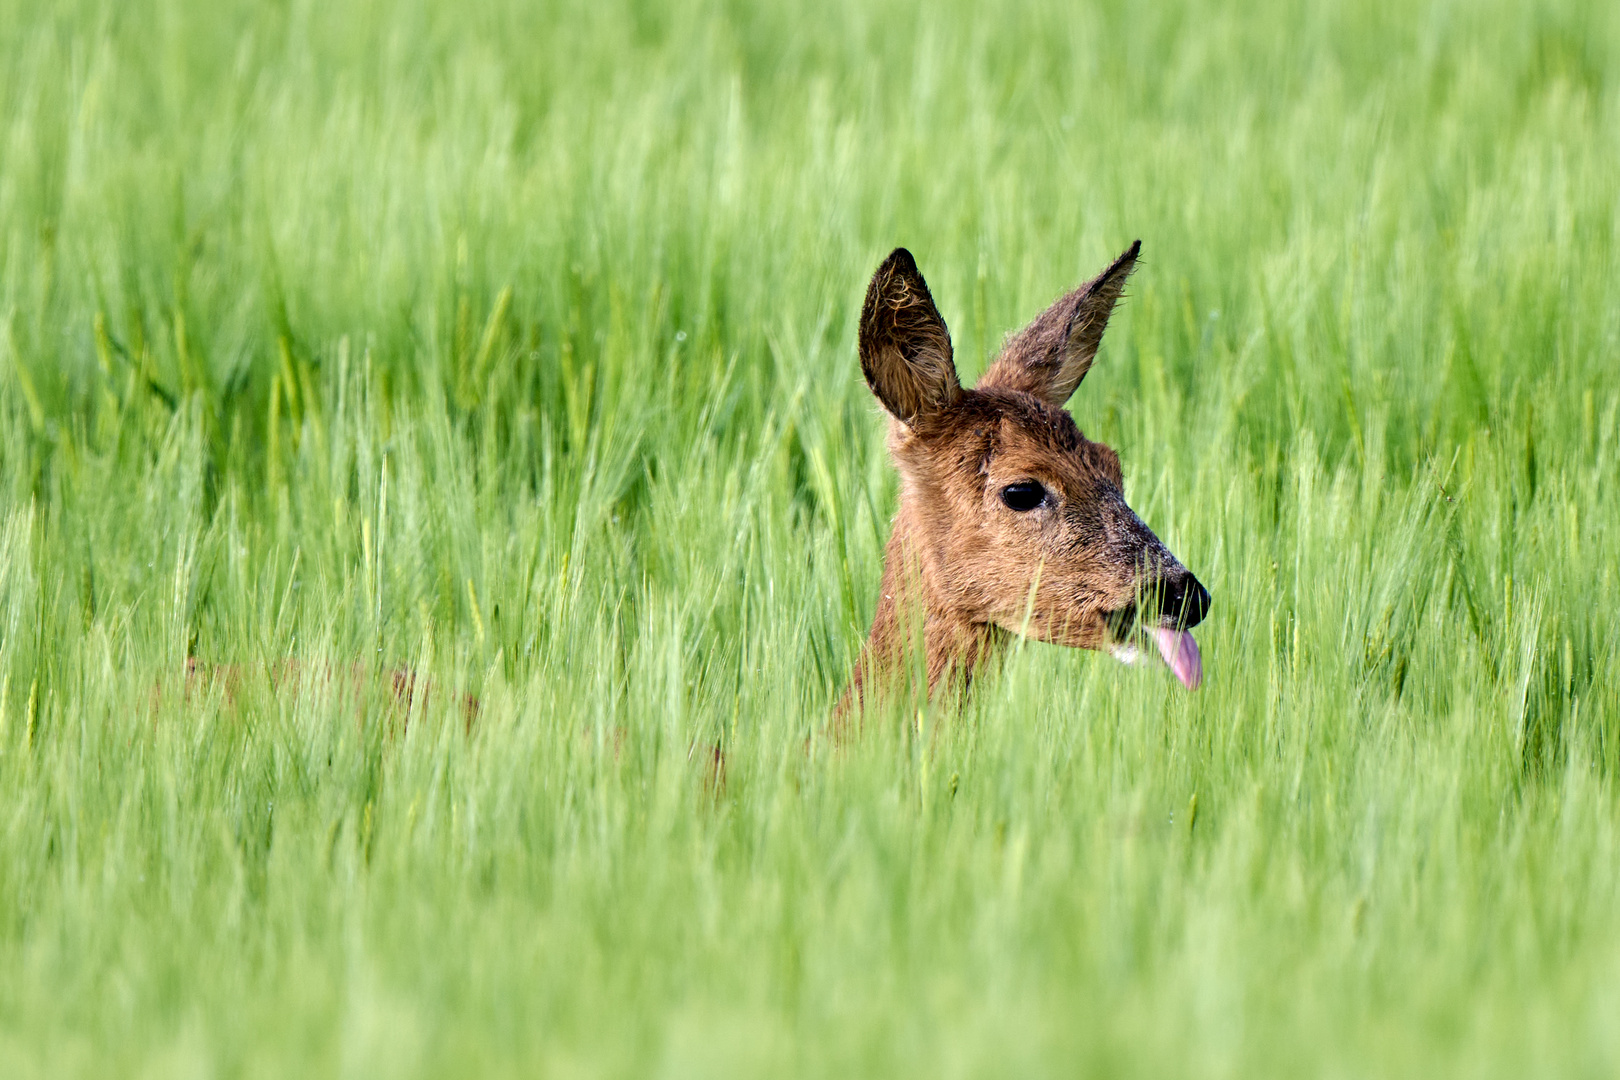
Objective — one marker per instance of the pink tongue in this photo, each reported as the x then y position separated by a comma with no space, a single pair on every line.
1180,651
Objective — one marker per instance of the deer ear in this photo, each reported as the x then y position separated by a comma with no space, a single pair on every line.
1050,356
905,347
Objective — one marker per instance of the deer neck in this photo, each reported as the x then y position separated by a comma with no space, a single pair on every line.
913,615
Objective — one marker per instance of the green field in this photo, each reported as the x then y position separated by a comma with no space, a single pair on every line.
515,345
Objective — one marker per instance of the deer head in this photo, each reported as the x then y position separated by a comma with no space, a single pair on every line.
1010,520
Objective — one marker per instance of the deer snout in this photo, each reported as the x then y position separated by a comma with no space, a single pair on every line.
1182,600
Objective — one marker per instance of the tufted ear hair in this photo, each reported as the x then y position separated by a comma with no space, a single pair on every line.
1050,356
905,346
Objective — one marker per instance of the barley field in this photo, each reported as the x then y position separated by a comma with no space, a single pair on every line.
428,430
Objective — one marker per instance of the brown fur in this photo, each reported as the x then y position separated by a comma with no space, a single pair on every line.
963,571
289,675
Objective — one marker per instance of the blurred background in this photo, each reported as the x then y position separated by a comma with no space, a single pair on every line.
513,345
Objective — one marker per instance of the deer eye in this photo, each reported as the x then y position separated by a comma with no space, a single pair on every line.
1024,495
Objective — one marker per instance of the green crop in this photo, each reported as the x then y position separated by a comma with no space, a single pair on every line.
506,351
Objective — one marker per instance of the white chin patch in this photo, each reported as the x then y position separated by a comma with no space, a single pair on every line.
1125,652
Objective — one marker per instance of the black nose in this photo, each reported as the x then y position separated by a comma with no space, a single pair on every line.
1184,600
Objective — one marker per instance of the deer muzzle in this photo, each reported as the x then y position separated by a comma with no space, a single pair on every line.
1168,611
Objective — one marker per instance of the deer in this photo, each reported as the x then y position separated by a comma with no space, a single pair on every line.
288,676
1011,522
